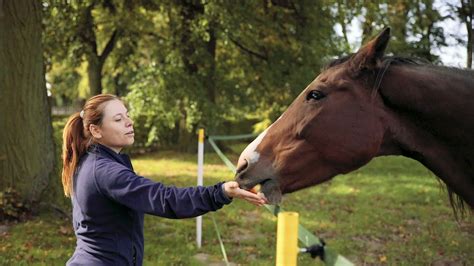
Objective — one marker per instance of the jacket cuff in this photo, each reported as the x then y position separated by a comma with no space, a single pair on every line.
226,198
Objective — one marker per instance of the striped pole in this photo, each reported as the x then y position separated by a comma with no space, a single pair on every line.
200,172
287,239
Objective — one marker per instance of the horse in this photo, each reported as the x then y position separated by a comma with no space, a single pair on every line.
366,105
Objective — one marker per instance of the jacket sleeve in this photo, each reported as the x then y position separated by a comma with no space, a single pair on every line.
122,185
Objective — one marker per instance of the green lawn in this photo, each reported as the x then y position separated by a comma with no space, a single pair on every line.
393,211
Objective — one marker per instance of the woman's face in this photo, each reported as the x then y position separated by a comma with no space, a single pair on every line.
116,130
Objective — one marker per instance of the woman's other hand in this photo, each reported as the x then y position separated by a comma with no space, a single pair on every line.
232,189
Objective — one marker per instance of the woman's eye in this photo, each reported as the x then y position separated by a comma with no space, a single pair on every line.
315,95
118,120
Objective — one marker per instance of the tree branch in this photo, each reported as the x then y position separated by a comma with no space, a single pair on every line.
109,46
243,48
86,29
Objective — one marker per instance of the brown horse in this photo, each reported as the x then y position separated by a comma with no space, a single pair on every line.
367,105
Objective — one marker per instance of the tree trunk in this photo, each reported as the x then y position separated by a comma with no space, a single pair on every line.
186,139
189,11
94,74
466,12
211,79
26,142
95,60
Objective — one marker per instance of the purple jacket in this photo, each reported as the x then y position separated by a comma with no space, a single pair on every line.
110,200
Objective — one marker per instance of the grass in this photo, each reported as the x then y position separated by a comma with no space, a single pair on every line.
392,211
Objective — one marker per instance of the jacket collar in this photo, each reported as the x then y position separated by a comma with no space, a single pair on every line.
105,151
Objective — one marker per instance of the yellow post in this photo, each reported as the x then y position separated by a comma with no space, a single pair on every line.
201,135
287,239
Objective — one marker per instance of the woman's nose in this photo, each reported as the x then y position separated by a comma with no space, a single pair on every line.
129,122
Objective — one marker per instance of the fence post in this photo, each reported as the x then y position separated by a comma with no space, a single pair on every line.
200,172
287,239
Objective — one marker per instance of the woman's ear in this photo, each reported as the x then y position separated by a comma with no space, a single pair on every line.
95,131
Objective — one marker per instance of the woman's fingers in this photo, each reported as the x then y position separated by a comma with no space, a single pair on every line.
248,194
253,200
233,190
252,197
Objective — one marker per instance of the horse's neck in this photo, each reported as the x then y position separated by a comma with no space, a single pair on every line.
437,99
431,119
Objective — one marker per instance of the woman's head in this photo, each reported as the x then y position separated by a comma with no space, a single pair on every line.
115,129
103,120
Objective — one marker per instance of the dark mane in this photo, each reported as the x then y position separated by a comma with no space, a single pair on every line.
403,60
390,60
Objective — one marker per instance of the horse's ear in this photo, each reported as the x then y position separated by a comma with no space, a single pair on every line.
368,56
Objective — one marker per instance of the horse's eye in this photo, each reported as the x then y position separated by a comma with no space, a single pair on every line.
315,95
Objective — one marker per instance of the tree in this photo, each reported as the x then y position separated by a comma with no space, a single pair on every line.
226,61
26,143
78,30
345,11
414,26
185,64
466,14
95,58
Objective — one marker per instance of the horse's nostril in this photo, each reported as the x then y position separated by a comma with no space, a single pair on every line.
242,166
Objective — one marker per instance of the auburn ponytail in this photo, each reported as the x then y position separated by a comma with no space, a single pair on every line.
74,146
77,138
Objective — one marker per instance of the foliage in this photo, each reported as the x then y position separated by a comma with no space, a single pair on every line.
390,207
464,11
188,83
189,64
415,24
12,206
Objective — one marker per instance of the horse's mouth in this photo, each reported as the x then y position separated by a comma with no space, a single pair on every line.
252,185
269,187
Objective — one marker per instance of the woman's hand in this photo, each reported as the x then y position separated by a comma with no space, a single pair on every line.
232,189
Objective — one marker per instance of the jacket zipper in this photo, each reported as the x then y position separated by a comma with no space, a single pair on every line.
134,256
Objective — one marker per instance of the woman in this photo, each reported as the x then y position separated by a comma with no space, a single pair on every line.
109,199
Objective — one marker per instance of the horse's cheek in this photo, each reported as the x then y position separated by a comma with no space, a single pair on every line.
370,138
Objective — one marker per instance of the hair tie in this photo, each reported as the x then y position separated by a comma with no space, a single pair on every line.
81,114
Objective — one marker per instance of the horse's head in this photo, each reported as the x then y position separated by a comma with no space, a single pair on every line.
334,126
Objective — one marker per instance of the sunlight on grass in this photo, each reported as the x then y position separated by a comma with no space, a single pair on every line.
343,190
